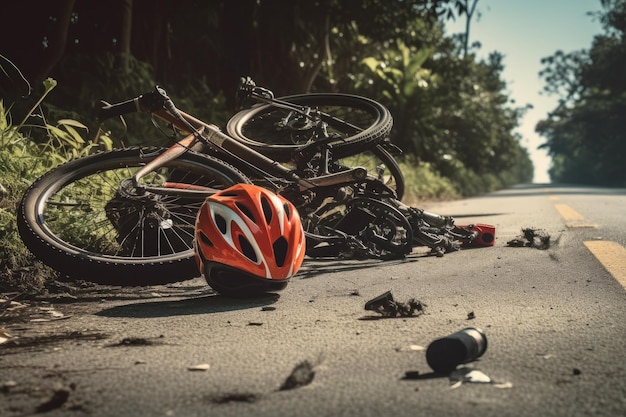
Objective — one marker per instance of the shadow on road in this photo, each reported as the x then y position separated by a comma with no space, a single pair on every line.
191,306
318,266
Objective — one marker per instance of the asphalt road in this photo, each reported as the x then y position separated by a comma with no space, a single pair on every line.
554,319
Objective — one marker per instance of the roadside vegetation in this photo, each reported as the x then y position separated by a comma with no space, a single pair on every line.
453,117
22,161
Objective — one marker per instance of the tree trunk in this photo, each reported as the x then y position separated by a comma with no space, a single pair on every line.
126,26
469,12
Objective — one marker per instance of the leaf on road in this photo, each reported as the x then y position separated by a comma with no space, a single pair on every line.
52,315
4,336
468,375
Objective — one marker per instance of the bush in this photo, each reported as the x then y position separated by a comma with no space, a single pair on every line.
422,182
22,161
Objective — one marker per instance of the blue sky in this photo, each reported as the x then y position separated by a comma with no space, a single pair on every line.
525,31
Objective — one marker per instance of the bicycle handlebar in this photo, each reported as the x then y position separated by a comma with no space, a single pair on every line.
248,89
151,101
109,110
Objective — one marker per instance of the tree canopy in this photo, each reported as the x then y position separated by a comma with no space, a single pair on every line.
586,133
450,109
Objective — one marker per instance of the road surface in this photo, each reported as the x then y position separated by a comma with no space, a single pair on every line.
554,319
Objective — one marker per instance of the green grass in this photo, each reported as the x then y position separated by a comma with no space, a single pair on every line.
22,161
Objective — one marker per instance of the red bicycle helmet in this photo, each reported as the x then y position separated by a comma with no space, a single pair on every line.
248,241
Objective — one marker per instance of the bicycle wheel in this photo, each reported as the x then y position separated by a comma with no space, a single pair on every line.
78,220
352,122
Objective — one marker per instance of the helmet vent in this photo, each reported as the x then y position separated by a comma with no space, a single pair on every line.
287,208
220,222
205,239
246,249
245,210
280,247
267,209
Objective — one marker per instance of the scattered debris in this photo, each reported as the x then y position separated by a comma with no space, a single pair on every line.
268,308
38,342
471,315
7,386
199,367
412,375
50,314
576,371
534,238
469,375
58,398
413,348
255,323
234,397
135,341
300,376
10,305
547,355
445,354
16,312
4,336
385,305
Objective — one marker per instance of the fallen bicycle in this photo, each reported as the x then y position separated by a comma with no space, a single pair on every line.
127,216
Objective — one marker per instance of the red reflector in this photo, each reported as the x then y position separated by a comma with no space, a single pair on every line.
486,235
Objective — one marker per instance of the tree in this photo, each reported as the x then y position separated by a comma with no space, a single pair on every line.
445,105
451,112
465,8
586,133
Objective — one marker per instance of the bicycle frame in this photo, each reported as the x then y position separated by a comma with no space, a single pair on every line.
158,104
126,216
210,134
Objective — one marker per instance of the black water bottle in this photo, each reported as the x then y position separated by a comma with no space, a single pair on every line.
445,354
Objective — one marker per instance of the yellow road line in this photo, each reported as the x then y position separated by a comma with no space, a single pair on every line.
553,198
568,213
612,256
572,217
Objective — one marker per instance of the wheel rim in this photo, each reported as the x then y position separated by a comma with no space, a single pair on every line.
85,213
275,129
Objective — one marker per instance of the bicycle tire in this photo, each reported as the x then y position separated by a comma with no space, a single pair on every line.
258,126
74,220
